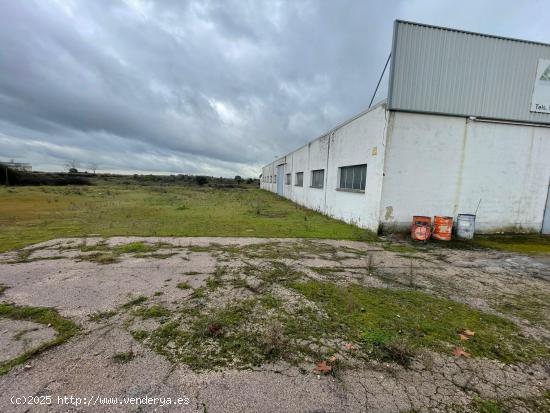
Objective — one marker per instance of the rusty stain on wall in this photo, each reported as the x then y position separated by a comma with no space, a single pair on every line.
389,213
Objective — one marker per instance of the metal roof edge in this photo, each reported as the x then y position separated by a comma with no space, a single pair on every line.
493,36
340,125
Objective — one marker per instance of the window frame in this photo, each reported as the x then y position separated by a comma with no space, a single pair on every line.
315,172
288,179
299,182
350,186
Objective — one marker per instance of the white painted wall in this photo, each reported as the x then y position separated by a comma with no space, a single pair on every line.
442,165
358,141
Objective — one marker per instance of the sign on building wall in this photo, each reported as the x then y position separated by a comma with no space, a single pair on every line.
541,92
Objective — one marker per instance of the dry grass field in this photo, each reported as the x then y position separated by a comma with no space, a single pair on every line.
38,213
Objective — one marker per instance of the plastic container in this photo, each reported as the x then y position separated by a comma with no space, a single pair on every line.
465,226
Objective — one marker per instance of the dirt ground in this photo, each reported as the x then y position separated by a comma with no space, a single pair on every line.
126,293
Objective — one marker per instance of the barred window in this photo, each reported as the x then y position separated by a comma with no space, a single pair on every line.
299,179
317,178
288,179
353,177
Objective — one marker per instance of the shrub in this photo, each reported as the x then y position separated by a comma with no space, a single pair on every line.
201,180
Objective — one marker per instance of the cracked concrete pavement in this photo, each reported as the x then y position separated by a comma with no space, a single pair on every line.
55,275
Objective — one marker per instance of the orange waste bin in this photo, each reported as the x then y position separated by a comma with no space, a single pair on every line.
443,228
421,228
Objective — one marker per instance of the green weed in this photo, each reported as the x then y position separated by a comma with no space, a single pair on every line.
65,329
155,311
124,357
102,315
383,317
135,301
184,285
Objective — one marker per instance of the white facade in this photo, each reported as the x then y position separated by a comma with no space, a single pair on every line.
358,141
449,141
421,164
443,165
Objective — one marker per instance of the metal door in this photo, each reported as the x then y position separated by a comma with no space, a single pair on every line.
280,179
546,218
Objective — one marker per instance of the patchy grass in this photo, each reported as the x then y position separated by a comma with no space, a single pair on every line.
536,404
155,311
199,292
212,247
273,272
525,244
100,257
65,329
160,255
102,254
517,243
292,250
101,315
140,335
124,357
489,406
383,318
219,338
34,214
135,248
184,285
23,255
383,324
533,306
135,301
3,288
216,280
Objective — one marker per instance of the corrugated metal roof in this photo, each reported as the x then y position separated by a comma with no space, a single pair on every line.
448,71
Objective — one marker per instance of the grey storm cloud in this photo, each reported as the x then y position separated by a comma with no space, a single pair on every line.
201,86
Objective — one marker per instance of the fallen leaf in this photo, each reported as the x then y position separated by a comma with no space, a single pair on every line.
468,333
332,359
463,337
349,347
459,352
322,367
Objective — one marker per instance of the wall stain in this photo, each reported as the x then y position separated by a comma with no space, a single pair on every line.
389,213
460,174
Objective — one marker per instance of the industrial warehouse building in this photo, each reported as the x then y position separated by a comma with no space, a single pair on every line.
466,123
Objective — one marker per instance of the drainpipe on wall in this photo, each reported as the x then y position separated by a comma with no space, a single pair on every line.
326,169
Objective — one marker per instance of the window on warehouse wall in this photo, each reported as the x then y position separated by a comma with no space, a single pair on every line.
353,178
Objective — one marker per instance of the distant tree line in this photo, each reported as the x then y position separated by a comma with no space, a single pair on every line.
11,177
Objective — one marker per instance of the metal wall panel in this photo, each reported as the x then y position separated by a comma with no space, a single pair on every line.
452,72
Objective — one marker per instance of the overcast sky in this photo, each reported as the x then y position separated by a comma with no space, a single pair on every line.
216,88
